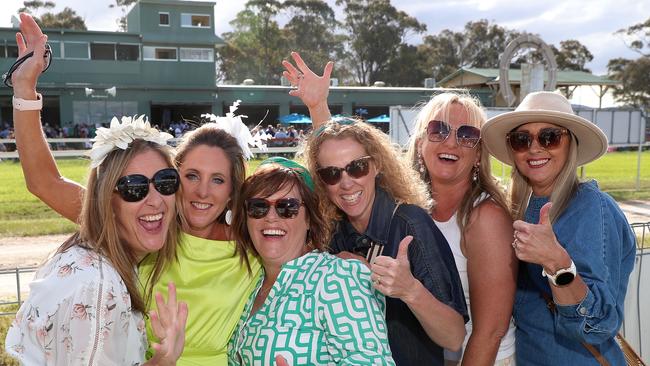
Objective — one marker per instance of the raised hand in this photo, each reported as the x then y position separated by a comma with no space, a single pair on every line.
168,325
310,88
29,39
392,276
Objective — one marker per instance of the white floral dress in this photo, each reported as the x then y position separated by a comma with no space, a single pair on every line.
78,313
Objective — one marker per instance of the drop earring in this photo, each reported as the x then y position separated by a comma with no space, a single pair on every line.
421,166
228,217
475,173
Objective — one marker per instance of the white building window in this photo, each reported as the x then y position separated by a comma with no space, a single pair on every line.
197,54
163,19
195,20
159,53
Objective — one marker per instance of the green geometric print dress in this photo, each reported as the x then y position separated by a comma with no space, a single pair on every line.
321,310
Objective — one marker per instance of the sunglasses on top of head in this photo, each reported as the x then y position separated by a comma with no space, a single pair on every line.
466,135
548,138
135,187
286,208
357,168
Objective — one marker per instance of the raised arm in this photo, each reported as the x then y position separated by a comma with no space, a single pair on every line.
492,274
42,176
310,88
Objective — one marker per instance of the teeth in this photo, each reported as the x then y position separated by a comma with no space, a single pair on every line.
448,156
538,162
201,206
274,232
351,197
150,218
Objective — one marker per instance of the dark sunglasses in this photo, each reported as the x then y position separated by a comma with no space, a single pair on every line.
287,208
135,187
466,135
357,168
48,61
548,138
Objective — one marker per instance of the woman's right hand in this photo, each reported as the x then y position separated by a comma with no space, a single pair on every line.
168,324
30,38
310,88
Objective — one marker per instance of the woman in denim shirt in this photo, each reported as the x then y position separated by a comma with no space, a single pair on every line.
378,200
576,247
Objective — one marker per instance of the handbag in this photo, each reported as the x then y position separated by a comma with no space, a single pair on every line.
631,357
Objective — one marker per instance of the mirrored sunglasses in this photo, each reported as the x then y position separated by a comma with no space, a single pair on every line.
48,61
286,208
548,138
466,135
356,169
135,187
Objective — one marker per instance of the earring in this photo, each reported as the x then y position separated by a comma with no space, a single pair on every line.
421,166
228,217
475,173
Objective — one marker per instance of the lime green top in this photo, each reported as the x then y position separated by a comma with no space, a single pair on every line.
210,279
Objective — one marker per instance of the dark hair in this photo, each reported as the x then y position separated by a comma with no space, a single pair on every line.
267,180
211,135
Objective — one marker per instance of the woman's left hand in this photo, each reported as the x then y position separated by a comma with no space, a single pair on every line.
536,243
392,276
168,324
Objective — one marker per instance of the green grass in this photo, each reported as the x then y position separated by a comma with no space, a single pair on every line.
5,323
22,214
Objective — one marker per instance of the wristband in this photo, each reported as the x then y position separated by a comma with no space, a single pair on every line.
28,105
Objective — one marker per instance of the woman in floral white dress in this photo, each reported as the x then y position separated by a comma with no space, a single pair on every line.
85,305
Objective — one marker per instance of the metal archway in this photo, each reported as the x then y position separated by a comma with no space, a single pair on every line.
525,41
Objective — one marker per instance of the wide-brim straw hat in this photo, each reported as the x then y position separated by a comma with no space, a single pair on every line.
546,107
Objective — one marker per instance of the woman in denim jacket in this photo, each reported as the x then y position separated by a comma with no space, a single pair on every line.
576,247
378,203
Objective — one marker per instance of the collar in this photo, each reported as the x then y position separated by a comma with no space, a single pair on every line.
380,216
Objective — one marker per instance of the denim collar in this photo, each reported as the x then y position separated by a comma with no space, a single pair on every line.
380,217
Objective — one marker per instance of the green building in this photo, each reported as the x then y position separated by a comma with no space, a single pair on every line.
164,66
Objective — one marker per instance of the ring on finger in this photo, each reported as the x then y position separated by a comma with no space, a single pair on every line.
515,243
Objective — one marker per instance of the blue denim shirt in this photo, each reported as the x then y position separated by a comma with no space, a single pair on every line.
595,233
432,263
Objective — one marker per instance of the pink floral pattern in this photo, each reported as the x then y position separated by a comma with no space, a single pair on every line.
78,312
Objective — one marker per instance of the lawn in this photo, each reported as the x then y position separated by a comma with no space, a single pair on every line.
22,214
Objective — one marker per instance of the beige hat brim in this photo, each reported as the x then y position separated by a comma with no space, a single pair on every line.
592,142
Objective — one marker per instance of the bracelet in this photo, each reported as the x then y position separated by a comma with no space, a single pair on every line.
28,105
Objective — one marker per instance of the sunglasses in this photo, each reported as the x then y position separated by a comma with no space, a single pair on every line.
286,208
356,169
135,187
466,136
548,138
48,61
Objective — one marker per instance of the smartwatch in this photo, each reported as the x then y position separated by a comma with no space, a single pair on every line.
28,105
563,276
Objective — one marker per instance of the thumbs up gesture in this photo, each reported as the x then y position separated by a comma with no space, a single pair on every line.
536,243
392,276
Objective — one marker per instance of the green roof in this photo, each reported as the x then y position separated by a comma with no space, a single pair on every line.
564,77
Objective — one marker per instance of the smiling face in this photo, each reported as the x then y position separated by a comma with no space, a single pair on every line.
353,196
144,224
206,185
539,165
446,161
279,240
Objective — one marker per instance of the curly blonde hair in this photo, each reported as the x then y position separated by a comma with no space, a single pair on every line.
396,176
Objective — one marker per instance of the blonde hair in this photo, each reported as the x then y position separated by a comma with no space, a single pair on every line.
396,175
439,107
98,227
564,187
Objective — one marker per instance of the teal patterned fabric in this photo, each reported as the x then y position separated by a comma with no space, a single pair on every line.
322,310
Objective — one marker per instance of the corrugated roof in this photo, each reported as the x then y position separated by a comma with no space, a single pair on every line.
564,77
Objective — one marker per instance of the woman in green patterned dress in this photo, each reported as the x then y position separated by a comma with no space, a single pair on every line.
310,307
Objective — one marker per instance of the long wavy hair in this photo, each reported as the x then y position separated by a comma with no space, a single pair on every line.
396,174
210,135
98,226
439,107
267,180
564,187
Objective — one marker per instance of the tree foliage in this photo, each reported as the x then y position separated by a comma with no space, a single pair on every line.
572,55
65,19
376,30
123,5
633,74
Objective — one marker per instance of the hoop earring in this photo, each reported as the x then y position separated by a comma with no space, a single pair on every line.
228,217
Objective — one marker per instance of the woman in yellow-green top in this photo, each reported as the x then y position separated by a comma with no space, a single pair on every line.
210,277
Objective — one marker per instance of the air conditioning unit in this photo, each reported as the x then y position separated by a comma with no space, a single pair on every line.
334,82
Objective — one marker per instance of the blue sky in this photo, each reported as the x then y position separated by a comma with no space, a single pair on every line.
592,22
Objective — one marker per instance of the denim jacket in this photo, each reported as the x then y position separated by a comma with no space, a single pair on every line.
432,263
595,233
